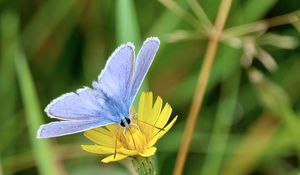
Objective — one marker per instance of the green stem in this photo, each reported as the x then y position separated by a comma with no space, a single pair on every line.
144,165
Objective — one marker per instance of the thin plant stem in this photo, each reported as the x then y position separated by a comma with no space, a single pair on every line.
144,165
199,12
179,11
261,25
201,86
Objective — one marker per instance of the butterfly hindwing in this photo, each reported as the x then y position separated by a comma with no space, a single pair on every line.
80,105
60,128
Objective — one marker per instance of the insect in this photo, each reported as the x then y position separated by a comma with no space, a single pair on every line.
109,100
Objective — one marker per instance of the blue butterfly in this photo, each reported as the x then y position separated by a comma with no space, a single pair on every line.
110,99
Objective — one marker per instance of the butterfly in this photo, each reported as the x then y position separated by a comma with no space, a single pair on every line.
109,100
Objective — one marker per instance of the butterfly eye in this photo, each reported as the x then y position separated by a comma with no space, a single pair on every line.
128,121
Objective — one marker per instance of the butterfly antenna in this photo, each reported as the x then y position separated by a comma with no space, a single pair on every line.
159,132
161,129
116,141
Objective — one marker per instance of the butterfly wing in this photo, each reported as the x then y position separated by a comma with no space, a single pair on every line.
90,108
82,110
61,128
144,60
113,83
80,105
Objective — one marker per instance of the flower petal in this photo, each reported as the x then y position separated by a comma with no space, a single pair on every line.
100,136
167,128
145,106
158,134
155,111
153,140
164,116
133,111
114,158
128,152
96,149
148,152
153,119
112,128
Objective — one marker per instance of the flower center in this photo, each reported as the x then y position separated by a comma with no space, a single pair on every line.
133,139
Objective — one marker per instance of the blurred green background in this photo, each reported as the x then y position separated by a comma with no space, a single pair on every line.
249,120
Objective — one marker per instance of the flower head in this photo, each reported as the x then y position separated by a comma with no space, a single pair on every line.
147,127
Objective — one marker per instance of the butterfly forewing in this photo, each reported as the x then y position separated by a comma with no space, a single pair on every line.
144,60
114,80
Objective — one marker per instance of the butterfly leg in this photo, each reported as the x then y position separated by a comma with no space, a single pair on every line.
116,141
129,129
136,125
124,133
134,115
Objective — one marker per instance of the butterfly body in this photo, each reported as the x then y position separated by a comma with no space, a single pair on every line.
110,98
119,110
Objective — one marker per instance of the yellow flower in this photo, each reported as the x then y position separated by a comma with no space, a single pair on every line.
147,127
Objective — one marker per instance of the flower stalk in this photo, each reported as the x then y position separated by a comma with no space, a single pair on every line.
144,165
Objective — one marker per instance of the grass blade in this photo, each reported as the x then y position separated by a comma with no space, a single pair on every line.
42,149
38,29
222,125
127,27
7,77
275,99
257,140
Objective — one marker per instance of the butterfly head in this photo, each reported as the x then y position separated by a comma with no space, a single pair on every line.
125,122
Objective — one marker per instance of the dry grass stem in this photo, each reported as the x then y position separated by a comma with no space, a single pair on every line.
199,12
182,13
262,25
201,86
